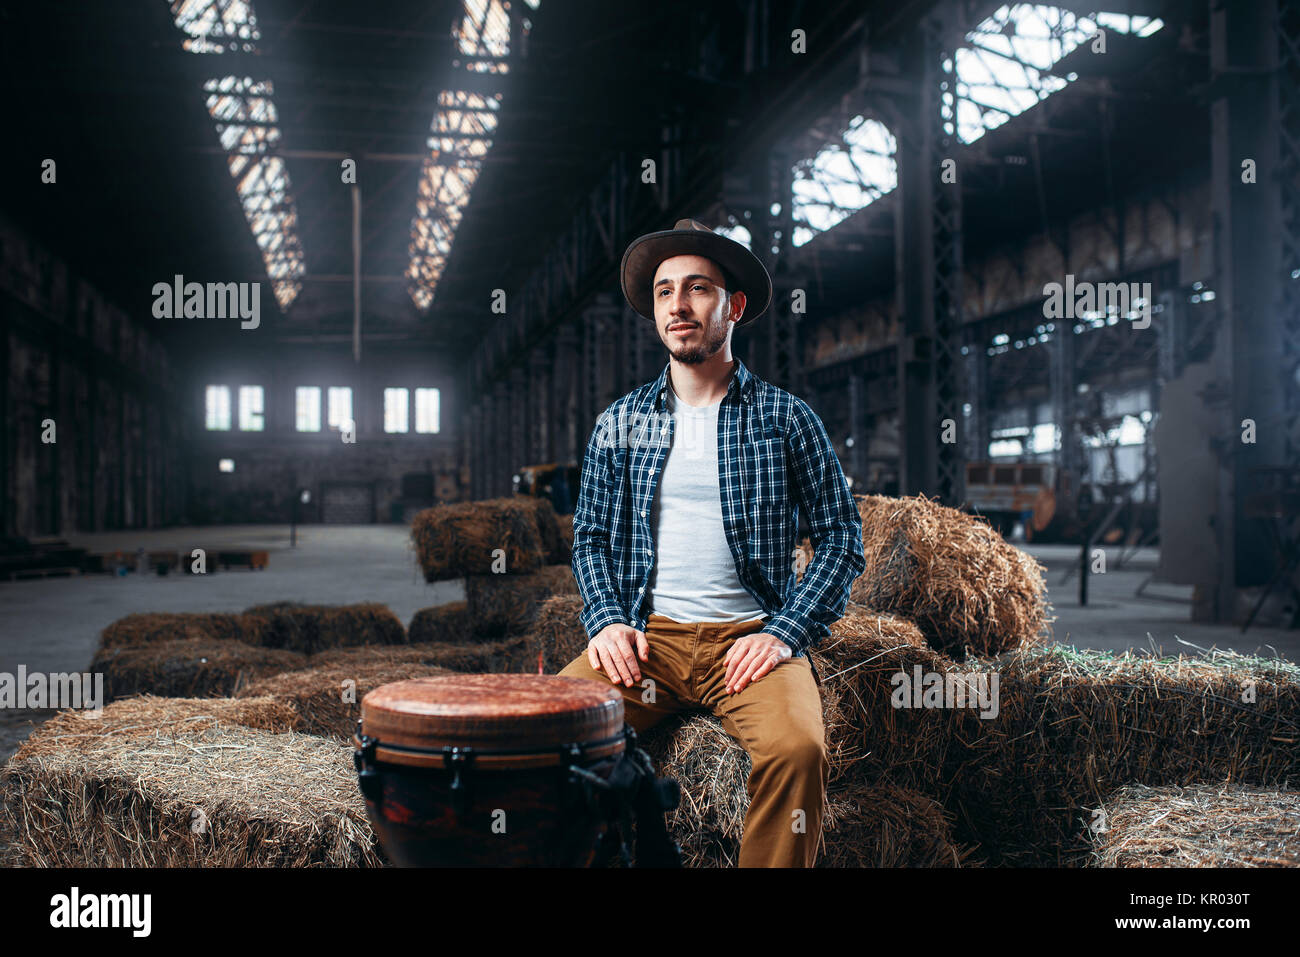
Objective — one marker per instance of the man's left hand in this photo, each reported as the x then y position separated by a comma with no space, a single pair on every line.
750,657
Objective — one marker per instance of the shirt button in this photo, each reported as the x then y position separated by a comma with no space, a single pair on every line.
648,552
643,513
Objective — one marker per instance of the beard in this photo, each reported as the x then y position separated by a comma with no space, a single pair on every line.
714,339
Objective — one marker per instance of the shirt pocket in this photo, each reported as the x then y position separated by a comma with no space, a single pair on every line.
766,479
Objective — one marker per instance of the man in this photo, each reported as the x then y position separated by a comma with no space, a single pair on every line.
684,535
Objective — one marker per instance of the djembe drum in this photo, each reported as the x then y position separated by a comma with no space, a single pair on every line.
502,770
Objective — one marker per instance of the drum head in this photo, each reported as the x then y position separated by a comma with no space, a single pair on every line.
496,712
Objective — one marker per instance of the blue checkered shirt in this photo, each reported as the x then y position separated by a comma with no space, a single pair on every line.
774,458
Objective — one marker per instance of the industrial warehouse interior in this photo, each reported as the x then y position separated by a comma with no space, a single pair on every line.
348,350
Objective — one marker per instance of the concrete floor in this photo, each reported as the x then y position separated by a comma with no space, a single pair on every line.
54,624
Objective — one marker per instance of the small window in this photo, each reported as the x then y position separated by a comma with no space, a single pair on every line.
250,408
226,465
426,410
340,407
307,408
218,407
396,410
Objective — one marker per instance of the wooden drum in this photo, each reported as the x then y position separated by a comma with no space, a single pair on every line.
489,770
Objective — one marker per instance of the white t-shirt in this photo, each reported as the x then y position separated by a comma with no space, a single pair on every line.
694,577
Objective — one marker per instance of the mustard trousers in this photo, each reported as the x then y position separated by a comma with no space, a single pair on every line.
777,719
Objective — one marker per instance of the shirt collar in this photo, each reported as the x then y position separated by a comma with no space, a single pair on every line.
742,383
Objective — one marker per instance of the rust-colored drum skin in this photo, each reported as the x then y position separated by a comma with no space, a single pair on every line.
488,770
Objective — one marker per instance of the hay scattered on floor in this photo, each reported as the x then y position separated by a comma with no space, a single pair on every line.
508,604
952,574
190,668
167,784
1207,825
452,541
557,633
311,628
1073,726
450,622
143,629
327,698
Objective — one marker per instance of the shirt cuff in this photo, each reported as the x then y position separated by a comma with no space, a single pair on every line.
789,631
602,616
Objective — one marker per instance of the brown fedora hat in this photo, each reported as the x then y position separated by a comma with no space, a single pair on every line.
690,238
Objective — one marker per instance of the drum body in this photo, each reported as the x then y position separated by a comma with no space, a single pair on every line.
488,770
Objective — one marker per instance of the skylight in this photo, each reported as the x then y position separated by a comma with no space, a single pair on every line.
1000,74
1002,71
460,136
246,123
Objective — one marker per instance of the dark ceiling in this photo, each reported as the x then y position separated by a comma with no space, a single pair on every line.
144,192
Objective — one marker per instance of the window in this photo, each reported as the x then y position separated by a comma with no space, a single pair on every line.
340,407
396,410
307,408
250,408
218,407
426,410
226,465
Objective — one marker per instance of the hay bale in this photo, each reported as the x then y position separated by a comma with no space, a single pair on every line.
1207,825
866,824
450,622
143,629
883,825
506,655
557,635
136,788
311,628
554,547
452,541
508,604
1073,726
866,735
327,699
566,530
191,667
952,574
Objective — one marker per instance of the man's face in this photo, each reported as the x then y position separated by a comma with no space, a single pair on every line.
693,312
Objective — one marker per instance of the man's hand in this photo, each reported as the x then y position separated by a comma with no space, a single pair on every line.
612,649
750,657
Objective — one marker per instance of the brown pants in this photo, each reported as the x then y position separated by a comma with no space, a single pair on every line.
777,719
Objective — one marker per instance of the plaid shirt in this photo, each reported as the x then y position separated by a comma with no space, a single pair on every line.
774,458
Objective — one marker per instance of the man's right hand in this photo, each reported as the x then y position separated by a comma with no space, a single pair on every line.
612,651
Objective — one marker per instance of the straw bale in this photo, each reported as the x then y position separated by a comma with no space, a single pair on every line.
133,789
511,654
804,556
192,667
311,628
557,634
1074,725
508,604
327,698
554,546
459,539
952,574
450,622
867,824
566,530
142,629
1205,825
